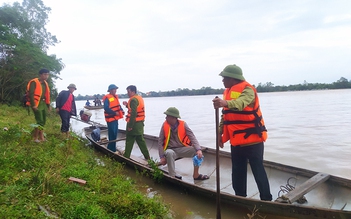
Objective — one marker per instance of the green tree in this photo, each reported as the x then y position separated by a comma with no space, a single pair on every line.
23,48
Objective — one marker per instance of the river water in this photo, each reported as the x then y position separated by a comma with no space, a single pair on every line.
307,129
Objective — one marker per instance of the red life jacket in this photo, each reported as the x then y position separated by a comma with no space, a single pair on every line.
114,106
38,92
183,137
140,109
242,127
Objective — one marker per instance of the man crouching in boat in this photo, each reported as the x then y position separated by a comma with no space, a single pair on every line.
242,124
176,140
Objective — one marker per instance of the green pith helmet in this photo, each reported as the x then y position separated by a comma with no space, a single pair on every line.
233,71
172,111
112,86
72,86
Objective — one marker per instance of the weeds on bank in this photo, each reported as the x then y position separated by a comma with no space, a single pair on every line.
157,174
34,176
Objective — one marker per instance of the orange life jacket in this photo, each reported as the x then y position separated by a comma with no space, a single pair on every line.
183,137
38,92
242,127
114,106
140,109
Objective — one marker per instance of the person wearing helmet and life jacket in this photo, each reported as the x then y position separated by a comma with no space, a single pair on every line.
38,93
113,112
177,140
66,107
243,126
135,123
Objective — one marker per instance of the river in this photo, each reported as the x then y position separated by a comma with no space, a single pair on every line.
307,129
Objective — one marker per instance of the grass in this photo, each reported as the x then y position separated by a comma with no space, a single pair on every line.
34,177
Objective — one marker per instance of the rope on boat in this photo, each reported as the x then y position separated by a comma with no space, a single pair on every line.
288,188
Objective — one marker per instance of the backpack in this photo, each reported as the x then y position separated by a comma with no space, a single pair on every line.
96,134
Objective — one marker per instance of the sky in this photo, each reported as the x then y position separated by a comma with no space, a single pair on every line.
164,45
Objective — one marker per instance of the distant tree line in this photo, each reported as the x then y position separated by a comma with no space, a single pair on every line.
342,83
178,92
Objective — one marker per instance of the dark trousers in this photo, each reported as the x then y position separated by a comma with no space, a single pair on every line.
65,119
112,134
253,154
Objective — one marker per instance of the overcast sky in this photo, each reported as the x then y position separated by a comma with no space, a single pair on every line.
161,45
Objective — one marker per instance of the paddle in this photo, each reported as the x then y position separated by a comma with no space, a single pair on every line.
217,165
106,142
89,122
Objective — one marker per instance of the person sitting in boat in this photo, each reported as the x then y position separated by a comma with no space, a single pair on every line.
177,140
87,103
85,115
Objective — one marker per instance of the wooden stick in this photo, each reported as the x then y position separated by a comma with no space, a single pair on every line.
119,139
218,200
80,181
89,122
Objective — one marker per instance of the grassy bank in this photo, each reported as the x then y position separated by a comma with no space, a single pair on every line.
34,176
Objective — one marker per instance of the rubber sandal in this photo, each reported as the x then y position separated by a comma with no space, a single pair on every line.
202,177
178,176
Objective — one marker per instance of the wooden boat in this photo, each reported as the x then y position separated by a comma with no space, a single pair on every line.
326,196
94,107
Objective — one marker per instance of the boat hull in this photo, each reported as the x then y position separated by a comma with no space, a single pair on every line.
325,201
94,107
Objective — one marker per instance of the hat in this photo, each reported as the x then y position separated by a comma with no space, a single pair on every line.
43,71
112,86
233,71
172,111
72,86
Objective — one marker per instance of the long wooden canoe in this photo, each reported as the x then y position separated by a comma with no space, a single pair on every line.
94,107
297,192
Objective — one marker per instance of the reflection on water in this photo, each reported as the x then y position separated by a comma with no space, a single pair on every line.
307,129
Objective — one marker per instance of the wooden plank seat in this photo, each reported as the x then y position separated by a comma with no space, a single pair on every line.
303,189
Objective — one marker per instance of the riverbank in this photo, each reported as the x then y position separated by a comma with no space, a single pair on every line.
34,177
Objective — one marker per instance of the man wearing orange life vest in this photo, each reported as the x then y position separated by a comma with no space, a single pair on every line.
113,112
176,140
135,123
242,124
39,100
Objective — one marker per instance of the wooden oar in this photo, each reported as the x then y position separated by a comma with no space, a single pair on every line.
119,139
89,122
218,200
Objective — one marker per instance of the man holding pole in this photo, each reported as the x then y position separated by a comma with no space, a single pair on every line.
242,124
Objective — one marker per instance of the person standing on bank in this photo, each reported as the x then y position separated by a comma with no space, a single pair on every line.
113,112
66,107
39,100
135,123
177,140
242,124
